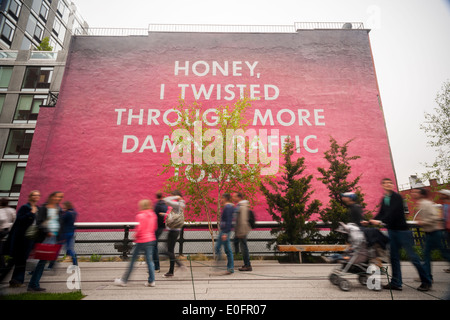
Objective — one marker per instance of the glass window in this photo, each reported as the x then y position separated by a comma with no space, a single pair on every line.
55,45
11,177
43,13
14,9
36,6
2,101
5,76
11,8
59,30
28,107
7,30
26,43
34,28
19,143
63,11
37,78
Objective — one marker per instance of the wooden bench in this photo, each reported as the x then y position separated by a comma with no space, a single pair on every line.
312,248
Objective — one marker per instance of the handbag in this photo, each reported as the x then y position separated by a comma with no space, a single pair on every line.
45,251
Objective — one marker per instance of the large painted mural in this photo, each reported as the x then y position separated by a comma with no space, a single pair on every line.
104,143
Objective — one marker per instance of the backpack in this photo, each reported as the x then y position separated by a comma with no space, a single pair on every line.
251,219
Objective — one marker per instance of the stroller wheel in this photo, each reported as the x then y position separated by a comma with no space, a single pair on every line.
363,279
345,285
334,279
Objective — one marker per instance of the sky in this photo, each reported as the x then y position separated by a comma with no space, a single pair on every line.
409,38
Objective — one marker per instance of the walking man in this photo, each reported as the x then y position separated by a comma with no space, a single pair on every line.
242,228
392,214
226,224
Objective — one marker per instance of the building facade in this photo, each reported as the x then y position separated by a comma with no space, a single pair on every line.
106,141
29,79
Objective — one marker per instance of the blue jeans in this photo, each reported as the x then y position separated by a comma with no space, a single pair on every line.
404,239
68,239
147,248
434,240
158,233
39,270
227,247
244,249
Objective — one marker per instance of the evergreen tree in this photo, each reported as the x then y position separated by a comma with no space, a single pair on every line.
289,201
336,178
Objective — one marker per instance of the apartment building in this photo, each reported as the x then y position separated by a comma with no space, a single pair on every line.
29,79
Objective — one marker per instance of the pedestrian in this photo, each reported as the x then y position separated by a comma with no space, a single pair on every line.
160,210
445,197
48,220
392,214
7,218
242,228
17,245
145,242
174,218
429,220
355,210
69,216
226,224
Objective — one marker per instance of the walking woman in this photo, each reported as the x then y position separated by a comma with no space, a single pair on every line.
48,220
174,223
145,242
18,246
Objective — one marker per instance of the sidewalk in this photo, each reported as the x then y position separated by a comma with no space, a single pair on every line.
269,280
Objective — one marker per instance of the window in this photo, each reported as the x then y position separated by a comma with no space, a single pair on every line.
28,108
26,44
13,8
7,30
19,143
43,13
11,177
2,101
59,30
55,45
5,77
63,11
37,78
35,29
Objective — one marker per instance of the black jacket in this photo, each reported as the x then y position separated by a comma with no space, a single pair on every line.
160,207
393,215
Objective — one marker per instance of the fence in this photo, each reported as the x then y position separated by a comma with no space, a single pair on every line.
217,28
116,238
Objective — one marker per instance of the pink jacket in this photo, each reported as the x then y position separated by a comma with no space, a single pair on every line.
148,223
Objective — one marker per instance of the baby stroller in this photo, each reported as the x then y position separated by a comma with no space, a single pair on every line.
367,246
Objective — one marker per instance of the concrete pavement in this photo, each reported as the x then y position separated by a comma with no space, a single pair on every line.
269,280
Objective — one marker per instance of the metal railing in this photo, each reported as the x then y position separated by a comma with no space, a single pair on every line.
194,238
218,28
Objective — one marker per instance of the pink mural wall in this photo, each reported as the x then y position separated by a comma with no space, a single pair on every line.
103,145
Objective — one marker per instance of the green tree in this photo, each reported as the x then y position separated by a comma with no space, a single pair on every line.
205,172
44,45
289,202
337,180
437,128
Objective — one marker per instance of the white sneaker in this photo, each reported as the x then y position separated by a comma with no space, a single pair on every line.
150,284
120,282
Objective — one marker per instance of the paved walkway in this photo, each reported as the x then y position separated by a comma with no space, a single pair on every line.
269,280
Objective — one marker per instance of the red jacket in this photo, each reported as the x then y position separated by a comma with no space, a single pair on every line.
148,223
